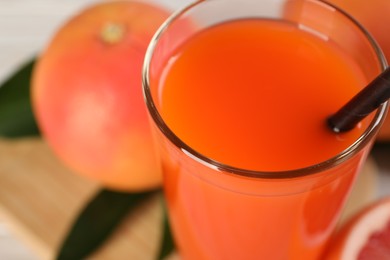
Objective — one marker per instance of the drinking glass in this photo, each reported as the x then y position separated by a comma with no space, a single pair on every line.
220,211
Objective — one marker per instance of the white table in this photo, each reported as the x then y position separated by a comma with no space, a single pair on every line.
25,27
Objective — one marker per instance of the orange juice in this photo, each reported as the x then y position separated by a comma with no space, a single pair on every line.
245,104
259,79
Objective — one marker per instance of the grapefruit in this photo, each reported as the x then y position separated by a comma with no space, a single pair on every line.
366,236
87,94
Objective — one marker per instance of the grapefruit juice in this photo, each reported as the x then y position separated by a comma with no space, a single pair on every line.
254,95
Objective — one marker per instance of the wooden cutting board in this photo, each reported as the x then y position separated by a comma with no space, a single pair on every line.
40,199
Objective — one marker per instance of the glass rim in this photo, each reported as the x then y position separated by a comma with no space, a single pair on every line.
347,153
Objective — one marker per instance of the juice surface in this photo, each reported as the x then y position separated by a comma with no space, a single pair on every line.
255,94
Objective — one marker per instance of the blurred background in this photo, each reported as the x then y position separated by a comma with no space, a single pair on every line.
26,26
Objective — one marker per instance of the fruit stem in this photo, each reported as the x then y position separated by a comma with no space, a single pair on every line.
112,33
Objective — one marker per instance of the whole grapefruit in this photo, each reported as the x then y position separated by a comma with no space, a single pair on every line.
87,94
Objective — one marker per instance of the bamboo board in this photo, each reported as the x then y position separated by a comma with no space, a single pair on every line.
40,198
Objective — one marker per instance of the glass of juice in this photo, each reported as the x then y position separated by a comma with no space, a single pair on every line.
238,93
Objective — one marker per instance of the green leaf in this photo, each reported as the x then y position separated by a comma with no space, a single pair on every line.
167,242
16,117
97,221
105,211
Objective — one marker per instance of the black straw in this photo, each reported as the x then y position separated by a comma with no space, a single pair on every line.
361,105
